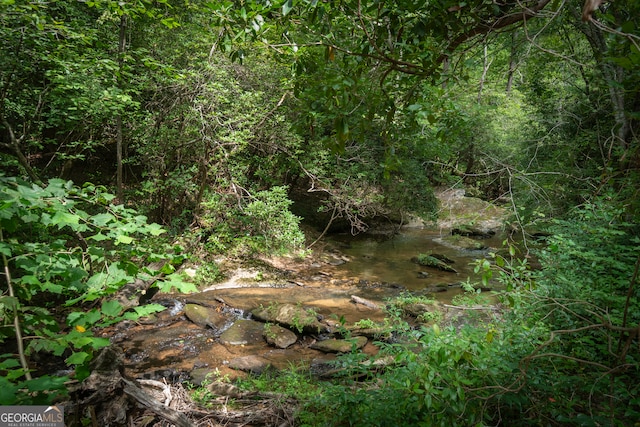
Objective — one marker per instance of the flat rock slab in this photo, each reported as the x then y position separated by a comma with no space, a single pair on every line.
253,364
340,346
243,332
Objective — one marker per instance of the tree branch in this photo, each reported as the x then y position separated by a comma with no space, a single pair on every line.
487,27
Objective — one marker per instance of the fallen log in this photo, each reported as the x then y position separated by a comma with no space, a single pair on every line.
475,307
177,418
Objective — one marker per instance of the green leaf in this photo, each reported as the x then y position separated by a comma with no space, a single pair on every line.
102,219
77,358
98,237
155,229
175,281
46,383
123,238
9,363
9,302
144,310
286,7
62,219
111,308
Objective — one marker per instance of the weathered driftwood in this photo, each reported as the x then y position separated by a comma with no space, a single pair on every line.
475,307
144,398
365,302
110,398
107,397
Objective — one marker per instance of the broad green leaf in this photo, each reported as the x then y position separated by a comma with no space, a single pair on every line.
98,237
77,358
102,219
111,308
123,238
175,281
62,219
5,249
9,363
9,302
155,229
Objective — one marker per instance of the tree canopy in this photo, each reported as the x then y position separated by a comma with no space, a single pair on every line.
232,123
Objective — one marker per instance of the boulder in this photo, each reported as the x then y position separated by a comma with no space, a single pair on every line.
278,336
471,231
243,332
462,242
290,316
205,316
418,309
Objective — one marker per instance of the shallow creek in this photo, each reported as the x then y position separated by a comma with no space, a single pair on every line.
173,347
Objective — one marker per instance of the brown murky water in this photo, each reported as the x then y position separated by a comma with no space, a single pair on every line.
390,260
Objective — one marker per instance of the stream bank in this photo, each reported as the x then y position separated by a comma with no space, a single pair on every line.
347,281
280,313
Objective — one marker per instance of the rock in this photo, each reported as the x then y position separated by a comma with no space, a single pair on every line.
431,261
423,274
380,332
290,316
253,364
279,336
471,231
435,289
243,332
198,376
205,316
340,346
418,309
443,258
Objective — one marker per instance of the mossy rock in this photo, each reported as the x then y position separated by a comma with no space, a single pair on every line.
290,316
433,262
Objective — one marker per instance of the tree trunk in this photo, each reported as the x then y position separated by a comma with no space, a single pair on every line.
512,62
613,75
119,132
15,146
485,68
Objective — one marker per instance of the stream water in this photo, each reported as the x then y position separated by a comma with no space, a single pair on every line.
389,260
369,267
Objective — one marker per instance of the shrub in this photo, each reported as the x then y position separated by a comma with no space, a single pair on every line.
64,250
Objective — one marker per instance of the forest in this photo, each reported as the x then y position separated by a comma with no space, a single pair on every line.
140,137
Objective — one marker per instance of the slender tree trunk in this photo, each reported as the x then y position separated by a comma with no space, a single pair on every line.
512,62
445,71
119,131
15,146
485,68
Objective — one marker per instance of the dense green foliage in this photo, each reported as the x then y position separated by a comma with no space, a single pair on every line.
232,122
563,352
64,249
